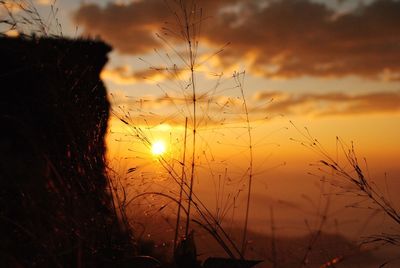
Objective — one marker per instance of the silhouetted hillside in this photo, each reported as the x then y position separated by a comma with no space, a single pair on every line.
331,250
55,206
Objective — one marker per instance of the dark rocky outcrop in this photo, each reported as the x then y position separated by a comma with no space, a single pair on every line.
55,208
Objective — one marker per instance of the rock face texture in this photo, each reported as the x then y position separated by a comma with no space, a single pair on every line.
55,207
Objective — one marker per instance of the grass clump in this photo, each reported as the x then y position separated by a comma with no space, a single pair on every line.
196,116
353,181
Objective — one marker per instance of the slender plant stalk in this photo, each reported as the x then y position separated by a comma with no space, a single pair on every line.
250,169
193,86
183,176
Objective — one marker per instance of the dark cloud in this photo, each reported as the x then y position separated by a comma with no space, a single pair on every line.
285,38
131,28
295,37
335,103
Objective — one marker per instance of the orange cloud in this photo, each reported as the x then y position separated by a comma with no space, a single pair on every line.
125,75
223,109
333,103
286,38
45,2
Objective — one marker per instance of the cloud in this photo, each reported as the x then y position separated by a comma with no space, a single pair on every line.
283,38
45,2
124,74
144,103
219,110
129,28
157,110
267,95
164,105
336,103
296,37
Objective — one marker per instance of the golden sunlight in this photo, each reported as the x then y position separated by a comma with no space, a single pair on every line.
158,148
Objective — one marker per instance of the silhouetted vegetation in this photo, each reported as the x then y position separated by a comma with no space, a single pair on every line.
56,209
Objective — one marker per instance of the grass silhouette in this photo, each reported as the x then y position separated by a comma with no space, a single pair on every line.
353,181
189,19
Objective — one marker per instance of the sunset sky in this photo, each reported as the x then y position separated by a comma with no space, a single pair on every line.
332,66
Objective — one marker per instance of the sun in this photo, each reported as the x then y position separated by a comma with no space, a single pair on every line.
158,148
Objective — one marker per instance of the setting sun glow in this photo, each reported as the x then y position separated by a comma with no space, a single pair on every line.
158,148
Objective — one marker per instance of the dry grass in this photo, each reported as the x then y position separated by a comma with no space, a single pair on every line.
21,17
353,181
195,115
